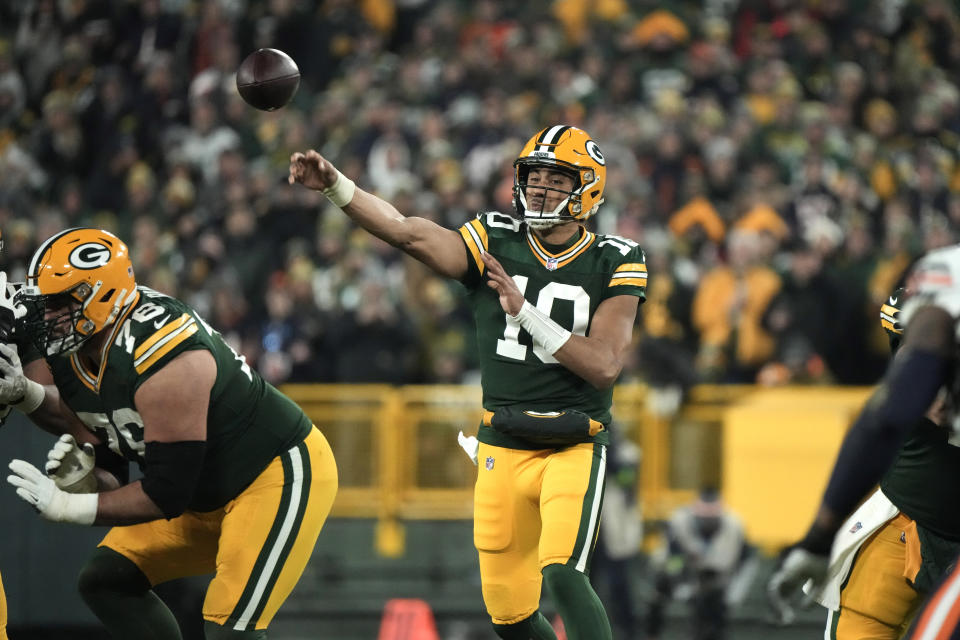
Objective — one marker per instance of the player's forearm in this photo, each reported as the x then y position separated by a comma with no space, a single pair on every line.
437,247
591,359
127,505
49,416
382,219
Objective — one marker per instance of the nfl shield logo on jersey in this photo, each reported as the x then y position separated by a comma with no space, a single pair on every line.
551,264
489,463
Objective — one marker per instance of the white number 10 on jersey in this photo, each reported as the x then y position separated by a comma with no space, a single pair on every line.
510,347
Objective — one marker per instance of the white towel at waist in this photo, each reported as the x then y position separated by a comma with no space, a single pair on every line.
864,522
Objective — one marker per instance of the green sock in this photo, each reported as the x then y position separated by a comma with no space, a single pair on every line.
535,627
213,631
119,594
580,608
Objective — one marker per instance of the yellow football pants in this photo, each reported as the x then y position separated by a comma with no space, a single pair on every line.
533,509
258,544
877,601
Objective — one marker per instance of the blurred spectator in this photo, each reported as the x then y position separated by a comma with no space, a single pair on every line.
705,560
621,532
824,126
728,310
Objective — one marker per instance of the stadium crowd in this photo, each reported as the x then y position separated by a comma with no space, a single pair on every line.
781,162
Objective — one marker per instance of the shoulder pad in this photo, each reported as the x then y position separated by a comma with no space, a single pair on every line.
934,280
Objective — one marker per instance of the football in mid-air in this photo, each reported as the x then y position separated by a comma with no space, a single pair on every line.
268,79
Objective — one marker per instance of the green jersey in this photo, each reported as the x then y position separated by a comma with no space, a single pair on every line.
249,422
924,481
566,282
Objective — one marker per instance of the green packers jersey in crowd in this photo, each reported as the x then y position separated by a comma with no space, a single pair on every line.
568,283
248,421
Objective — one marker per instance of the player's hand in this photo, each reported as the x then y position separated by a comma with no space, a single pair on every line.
795,567
13,384
470,444
71,466
511,299
36,488
312,170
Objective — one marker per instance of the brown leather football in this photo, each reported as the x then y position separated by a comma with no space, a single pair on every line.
268,79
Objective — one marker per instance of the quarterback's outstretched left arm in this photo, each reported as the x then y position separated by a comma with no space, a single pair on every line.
437,247
598,357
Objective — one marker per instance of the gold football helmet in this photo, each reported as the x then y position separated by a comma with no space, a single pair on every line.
890,317
569,149
77,283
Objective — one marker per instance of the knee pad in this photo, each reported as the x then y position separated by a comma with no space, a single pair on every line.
108,571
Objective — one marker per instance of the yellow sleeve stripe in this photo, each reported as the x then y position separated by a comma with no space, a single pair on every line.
632,266
475,236
637,282
159,335
165,346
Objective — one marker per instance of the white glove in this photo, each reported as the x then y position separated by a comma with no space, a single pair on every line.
16,389
470,444
796,567
7,295
71,466
52,503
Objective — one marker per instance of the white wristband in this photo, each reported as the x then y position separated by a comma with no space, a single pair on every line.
544,330
32,397
79,508
341,191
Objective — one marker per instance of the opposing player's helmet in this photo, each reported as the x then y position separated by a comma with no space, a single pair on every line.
569,149
890,317
77,283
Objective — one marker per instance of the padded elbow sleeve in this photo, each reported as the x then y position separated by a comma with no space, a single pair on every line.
171,472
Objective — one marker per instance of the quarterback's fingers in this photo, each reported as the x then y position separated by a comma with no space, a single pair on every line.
52,467
89,449
68,439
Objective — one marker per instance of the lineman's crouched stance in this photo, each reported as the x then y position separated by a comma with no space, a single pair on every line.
236,480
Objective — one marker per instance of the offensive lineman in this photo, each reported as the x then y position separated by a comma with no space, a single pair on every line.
554,324
925,366
236,480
